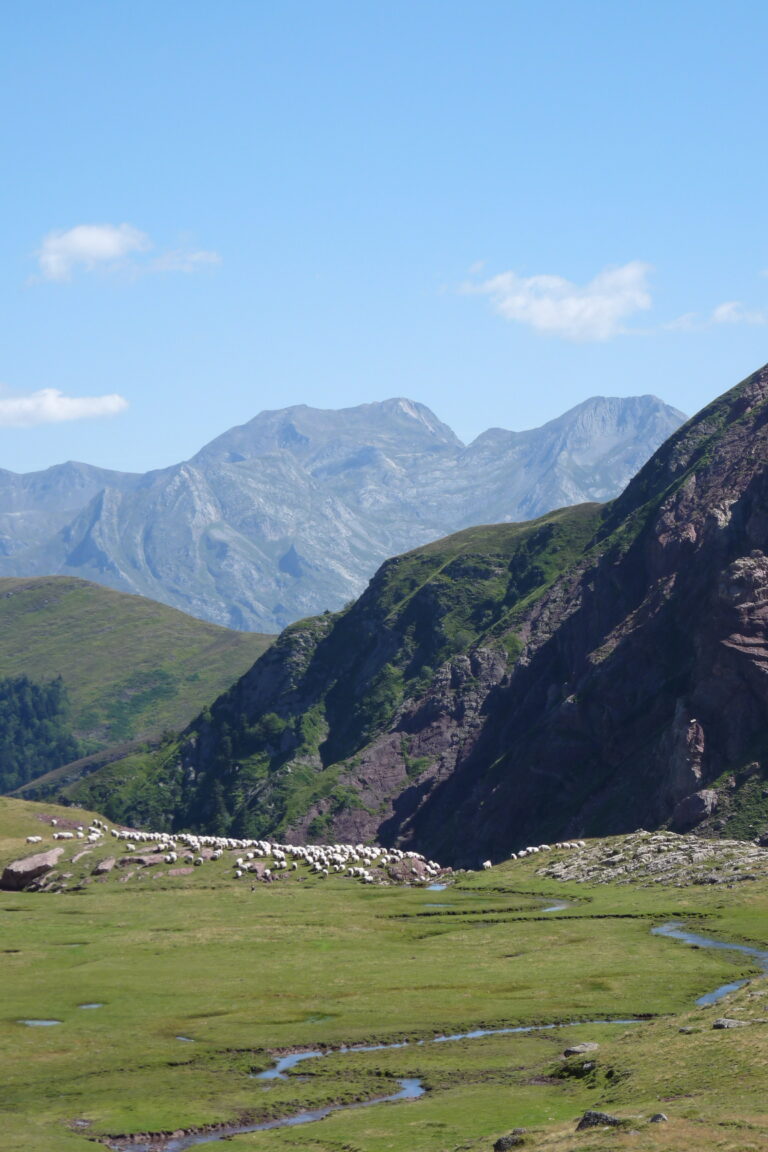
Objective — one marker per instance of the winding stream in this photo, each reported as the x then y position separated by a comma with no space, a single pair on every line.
412,1088
675,931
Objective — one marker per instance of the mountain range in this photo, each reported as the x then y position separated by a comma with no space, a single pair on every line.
291,514
600,668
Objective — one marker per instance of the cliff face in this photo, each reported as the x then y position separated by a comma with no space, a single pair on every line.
599,669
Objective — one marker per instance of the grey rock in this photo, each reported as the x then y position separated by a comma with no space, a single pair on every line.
691,810
728,1022
659,1118
515,1139
578,1049
292,512
104,866
592,1119
22,873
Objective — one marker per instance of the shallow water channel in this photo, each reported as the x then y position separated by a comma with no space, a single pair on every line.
412,1088
676,931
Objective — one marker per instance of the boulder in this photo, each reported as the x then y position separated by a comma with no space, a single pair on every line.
145,861
691,810
592,1119
728,1022
104,866
515,1139
21,873
579,1049
659,1118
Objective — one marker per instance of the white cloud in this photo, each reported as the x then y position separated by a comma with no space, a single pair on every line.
50,406
593,311
88,246
730,312
734,312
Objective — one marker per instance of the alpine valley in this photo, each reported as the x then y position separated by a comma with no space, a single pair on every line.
390,886
595,669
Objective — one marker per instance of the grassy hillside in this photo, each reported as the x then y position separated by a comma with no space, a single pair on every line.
275,744
132,668
191,983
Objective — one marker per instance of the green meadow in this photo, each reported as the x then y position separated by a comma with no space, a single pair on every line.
243,970
132,668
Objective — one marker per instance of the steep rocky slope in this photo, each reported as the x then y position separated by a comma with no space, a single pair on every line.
292,513
597,670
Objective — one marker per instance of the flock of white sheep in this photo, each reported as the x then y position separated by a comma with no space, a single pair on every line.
533,849
353,860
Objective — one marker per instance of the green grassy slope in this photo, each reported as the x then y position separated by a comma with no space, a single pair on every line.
132,668
242,970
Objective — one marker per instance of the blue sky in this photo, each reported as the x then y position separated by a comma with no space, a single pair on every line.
496,208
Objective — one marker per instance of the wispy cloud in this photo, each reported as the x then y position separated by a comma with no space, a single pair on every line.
89,247
730,312
595,311
50,406
182,260
734,312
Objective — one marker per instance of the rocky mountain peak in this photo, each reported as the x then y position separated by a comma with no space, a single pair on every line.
336,492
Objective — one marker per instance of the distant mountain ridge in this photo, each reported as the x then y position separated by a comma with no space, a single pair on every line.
291,513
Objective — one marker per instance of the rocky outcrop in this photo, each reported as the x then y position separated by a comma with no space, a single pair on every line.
580,1049
694,808
659,858
514,1139
593,1119
21,873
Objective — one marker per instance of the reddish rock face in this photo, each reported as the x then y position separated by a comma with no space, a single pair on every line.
642,677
